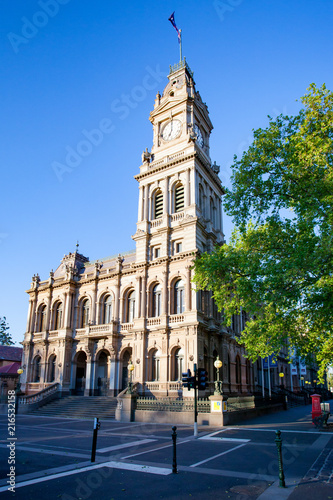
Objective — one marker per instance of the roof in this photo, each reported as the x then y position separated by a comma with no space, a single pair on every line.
9,353
10,369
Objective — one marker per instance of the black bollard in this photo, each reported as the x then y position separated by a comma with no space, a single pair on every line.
278,441
94,442
174,460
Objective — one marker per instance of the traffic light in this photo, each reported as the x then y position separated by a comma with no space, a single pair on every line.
187,380
202,379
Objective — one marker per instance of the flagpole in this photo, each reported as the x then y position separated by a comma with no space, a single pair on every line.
180,46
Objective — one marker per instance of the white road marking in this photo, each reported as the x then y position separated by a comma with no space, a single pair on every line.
155,449
139,468
49,452
273,430
219,455
125,445
114,465
224,440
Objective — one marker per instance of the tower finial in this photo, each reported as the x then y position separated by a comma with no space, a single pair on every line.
77,246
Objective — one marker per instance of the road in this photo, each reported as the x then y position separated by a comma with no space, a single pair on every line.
134,460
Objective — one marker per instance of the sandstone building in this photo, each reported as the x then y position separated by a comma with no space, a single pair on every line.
89,319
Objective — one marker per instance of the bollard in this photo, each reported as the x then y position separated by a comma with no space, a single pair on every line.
174,460
278,441
94,442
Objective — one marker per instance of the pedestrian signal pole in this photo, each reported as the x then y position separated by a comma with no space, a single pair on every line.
195,401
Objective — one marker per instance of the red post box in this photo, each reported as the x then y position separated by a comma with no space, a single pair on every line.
316,409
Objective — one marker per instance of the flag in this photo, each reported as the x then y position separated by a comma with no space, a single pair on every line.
173,22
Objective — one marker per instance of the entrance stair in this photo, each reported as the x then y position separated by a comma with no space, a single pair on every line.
102,407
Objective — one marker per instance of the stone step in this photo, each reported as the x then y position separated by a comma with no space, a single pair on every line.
80,407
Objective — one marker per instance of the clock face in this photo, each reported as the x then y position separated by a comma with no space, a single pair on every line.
200,140
171,130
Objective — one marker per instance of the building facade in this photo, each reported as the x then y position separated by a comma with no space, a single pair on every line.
89,319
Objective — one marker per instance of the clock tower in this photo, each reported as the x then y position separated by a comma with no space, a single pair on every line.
180,191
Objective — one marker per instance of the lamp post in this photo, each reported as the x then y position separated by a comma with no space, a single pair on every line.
130,368
218,384
302,382
18,389
281,375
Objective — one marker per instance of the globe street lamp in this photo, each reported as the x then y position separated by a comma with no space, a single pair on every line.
302,381
130,368
218,383
18,389
281,375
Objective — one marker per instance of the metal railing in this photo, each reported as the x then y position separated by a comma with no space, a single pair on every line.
168,404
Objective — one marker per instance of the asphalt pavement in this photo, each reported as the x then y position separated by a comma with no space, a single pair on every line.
50,458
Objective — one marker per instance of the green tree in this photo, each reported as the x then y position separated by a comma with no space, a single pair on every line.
278,265
5,336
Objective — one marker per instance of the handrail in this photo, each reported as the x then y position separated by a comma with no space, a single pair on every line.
134,389
39,396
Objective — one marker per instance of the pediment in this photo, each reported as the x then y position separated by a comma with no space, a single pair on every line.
166,106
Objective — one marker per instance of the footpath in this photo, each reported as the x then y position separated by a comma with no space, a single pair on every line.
317,483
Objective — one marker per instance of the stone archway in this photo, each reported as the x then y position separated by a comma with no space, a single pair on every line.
81,367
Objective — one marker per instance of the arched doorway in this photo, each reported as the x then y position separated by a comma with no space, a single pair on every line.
81,365
102,374
126,358
52,368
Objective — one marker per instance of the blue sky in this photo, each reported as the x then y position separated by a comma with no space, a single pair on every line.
68,66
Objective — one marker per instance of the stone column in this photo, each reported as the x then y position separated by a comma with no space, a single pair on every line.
138,295
89,371
146,201
187,189
29,316
48,311
192,186
141,204
166,195
165,293
220,214
188,289
67,309
143,302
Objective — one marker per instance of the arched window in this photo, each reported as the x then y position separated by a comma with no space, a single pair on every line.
52,368
42,318
238,371
156,304
155,365
36,369
201,199
248,372
107,310
85,313
130,307
228,369
212,212
179,364
179,297
243,320
158,205
58,316
179,198
206,360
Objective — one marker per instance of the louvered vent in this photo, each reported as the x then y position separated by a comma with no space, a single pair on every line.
179,198
158,205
